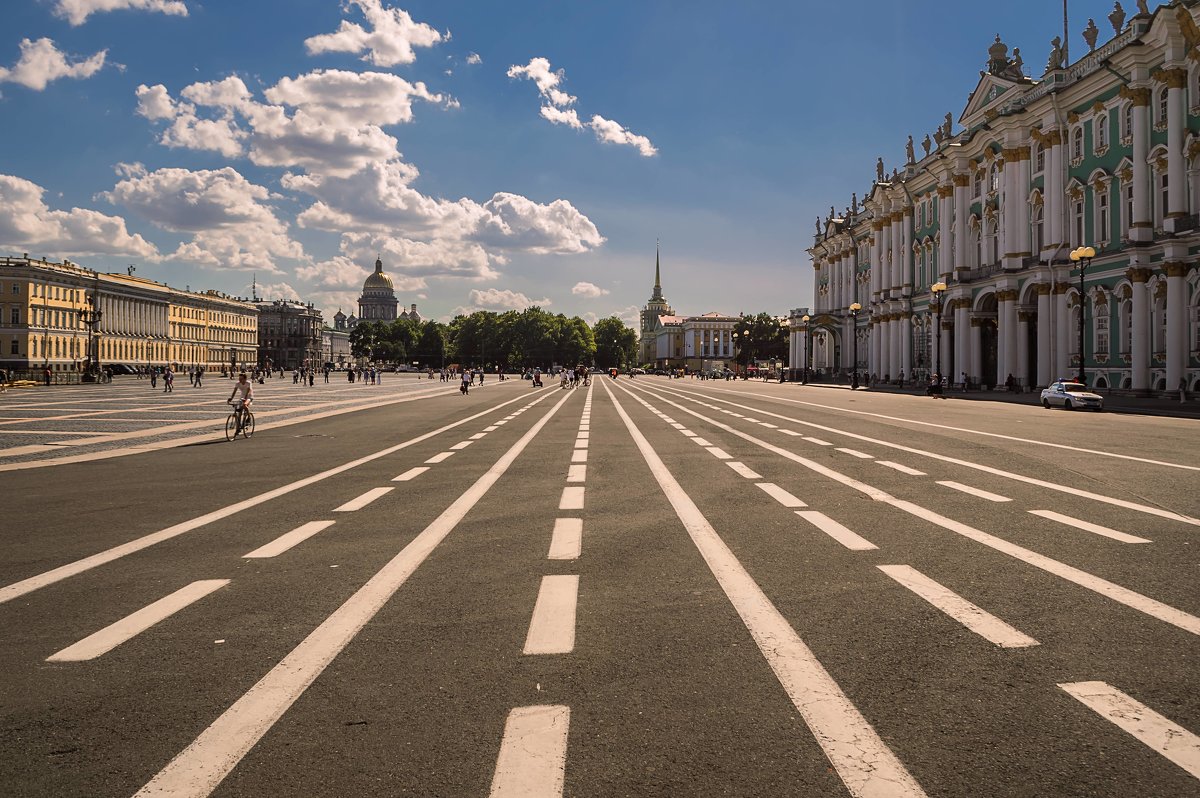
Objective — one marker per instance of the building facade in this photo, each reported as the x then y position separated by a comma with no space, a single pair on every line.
289,335
703,342
44,307
1102,152
378,301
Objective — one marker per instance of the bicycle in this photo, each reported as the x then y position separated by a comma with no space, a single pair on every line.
240,420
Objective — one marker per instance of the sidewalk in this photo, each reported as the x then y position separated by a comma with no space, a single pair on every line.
1114,403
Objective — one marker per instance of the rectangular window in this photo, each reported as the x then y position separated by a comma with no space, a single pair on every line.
1127,221
1163,209
16,316
15,350
1077,223
1102,330
1102,215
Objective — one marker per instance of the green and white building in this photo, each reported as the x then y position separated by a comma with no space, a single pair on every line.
1102,152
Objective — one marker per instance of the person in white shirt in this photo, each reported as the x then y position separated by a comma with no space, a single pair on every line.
246,390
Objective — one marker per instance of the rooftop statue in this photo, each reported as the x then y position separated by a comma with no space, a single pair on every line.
879,171
938,137
1056,55
853,202
908,151
947,126
1090,34
818,225
1142,7
1117,17
926,144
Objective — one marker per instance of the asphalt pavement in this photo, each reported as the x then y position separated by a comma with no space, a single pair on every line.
643,587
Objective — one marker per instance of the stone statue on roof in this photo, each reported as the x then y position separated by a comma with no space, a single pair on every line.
818,225
1090,34
1117,17
947,126
937,136
879,171
1143,8
926,144
1056,55
908,151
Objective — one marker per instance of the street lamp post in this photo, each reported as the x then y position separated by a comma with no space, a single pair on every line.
854,309
807,348
90,317
937,289
1083,257
149,342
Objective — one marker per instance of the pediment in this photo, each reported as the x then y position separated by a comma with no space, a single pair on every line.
987,94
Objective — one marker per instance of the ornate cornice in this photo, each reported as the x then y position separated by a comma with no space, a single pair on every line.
944,192
1175,78
961,181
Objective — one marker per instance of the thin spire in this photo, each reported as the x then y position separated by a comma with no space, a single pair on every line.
657,296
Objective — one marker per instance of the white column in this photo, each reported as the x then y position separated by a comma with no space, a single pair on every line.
1142,227
1045,336
906,264
946,230
906,352
1139,335
976,369
875,250
1176,169
1020,219
961,189
894,347
1177,323
944,355
1054,197
1012,214
1006,360
898,239
1022,372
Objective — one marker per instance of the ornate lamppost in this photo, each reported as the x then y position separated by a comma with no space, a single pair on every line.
854,309
937,289
90,317
1083,257
807,347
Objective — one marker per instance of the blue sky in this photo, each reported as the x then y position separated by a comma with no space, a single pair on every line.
293,139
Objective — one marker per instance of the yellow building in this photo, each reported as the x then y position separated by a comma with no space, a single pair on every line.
45,307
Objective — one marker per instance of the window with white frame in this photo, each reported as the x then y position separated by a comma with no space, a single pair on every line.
1100,333
1101,132
1103,215
1125,320
1161,211
1162,105
977,183
1037,227
1126,208
1039,157
1127,122
994,179
1076,222
1077,144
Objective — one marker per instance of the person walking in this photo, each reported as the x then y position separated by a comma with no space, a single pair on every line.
465,384
199,376
168,381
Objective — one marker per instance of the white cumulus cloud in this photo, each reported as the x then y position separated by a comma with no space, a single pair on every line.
41,62
590,290
26,222
548,80
612,132
474,58
503,299
280,290
390,41
337,272
559,116
77,11
352,99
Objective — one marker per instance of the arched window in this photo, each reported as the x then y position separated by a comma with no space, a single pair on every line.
1101,126
1125,323
1100,327
1103,214
978,182
1077,144
994,179
1127,121
1039,157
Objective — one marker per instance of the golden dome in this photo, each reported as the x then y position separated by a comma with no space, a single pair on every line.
378,280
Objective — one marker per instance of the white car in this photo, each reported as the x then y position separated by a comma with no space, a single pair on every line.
1071,395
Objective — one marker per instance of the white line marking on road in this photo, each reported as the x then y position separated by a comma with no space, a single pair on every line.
289,539
687,433
581,444
552,627
1150,728
903,469
585,427
583,436
791,432
719,453
865,764
130,626
818,441
1087,526
533,753
744,470
568,539
983,494
478,435
461,445
780,495
198,769
410,474
439,458
579,456
576,473
677,425
1115,592
979,621
572,499
855,453
851,540
768,426
751,420
363,500
492,428
701,441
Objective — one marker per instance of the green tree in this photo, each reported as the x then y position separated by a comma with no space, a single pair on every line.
760,337
616,344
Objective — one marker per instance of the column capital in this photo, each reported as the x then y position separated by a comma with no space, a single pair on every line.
961,181
1140,95
1138,275
897,216
1043,289
1061,288
1007,295
1176,268
945,191
1026,315
1175,77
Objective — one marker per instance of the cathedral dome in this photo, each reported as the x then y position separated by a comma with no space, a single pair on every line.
377,280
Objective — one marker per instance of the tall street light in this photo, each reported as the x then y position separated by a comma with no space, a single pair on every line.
1083,257
854,309
807,341
937,289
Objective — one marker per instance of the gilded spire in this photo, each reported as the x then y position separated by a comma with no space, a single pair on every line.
657,296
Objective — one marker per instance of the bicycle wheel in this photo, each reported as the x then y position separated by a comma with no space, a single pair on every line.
231,427
248,425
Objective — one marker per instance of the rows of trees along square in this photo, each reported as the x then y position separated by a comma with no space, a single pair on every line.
511,340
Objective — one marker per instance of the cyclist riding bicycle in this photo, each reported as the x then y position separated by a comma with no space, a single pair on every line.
246,390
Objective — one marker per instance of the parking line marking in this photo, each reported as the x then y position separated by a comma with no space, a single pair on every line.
410,474
461,445
903,469
979,621
288,540
363,500
780,495
438,458
533,753
855,453
1087,526
567,541
817,441
851,540
719,453
572,499
581,444
576,473
1150,728
130,626
552,627
983,494
744,470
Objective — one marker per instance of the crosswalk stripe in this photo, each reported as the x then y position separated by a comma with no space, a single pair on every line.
438,458
817,441
982,623
579,456
533,753
1087,526
461,445
719,453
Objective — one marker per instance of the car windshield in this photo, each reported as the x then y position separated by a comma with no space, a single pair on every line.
1074,387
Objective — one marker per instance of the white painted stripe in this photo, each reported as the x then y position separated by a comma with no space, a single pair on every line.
903,469
1122,595
983,494
581,444
982,623
130,626
818,441
1150,728
501,422
791,432
1087,526
533,753
752,420
701,441
855,453
865,764
198,769
410,474
719,453
572,499
363,500
552,627
16,589
461,445
492,428
579,456
583,436
568,539
438,458
478,435
780,495
289,539
744,470
687,432
768,426
737,415
585,427
851,540
576,473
